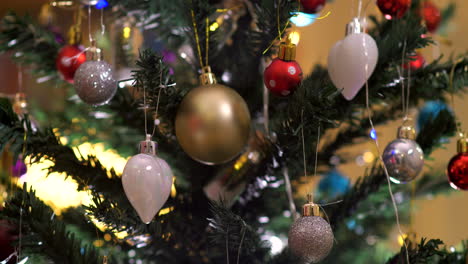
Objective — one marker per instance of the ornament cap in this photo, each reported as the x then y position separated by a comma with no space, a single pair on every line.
310,208
287,51
148,146
406,132
355,26
94,53
462,145
207,77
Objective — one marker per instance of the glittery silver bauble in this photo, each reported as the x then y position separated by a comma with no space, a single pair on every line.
404,160
95,83
310,238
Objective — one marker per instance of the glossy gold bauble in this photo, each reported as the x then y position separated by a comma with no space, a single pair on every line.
213,124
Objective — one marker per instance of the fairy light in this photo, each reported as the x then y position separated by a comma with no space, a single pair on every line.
127,32
301,19
294,37
214,26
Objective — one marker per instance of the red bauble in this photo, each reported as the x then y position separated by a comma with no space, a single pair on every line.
457,171
431,15
393,8
312,6
282,77
70,57
417,62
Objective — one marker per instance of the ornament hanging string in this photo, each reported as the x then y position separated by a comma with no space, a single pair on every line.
288,187
404,94
376,143
242,241
90,35
280,31
452,92
197,38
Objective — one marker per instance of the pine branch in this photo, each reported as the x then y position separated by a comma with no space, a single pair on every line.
39,223
242,242
31,44
427,251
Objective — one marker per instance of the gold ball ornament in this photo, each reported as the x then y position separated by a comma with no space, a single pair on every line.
213,122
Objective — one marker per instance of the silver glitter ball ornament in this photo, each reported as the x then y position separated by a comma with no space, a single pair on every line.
404,160
310,238
95,83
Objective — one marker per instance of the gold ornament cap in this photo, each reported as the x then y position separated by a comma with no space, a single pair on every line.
310,208
148,146
207,77
94,53
287,51
406,132
462,145
354,27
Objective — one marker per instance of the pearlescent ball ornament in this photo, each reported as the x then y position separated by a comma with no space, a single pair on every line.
310,238
404,160
95,83
213,122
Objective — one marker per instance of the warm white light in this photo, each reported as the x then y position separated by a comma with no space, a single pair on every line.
56,189
294,37
276,245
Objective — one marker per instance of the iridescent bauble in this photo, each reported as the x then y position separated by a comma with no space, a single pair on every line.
457,171
393,8
310,238
145,184
95,83
417,62
431,16
212,124
68,60
282,77
312,6
404,160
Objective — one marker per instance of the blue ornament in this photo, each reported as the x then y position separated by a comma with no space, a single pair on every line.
429,111
102,4
301,19
333,184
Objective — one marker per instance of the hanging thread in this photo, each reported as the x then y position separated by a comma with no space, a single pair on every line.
395,207
90,35
197,39
452,92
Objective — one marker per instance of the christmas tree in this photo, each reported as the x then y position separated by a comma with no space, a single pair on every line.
231,133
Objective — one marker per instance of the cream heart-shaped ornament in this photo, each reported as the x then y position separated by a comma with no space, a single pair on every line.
351,62
147,181
167,176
